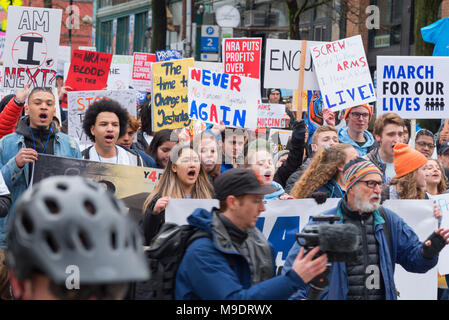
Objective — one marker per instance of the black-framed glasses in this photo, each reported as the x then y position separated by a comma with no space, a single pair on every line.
424,144
357,115
372,183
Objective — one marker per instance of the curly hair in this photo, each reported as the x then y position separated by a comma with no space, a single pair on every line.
105,105
322,168
407,186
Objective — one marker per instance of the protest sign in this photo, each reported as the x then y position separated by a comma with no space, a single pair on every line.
413,87
241,56
79,101
170,102
120,73
212,66
129,183
167,55
31,46
89,70
343,73
64,55
418,214
278,139
214,97
141,77
271,115
2,44
283,219
443,202
283,64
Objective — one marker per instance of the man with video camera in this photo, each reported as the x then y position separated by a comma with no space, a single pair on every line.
363,269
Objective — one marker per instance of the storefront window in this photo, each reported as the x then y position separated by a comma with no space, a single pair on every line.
389,32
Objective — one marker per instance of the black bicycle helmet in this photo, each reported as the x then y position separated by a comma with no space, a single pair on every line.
72,221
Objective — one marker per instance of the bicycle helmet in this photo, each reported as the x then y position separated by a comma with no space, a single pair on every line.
72,221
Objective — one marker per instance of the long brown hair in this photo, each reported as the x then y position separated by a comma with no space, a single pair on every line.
170,186
322,168
442,186
407,186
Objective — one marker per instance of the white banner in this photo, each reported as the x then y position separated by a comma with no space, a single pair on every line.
413,87
282,219
271,115
216,96
343,74
79,101
443,202
283,61
31,48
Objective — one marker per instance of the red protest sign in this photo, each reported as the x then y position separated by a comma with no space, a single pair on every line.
141,77
89,70
241,56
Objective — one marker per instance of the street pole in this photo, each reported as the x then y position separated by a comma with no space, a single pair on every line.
71,24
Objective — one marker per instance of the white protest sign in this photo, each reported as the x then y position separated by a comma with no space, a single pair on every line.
120,72
283,61
2,44
343,74
418,214
212,66
413,87
64,56
271,115
279,139
443,202
216,96
31,48
79,101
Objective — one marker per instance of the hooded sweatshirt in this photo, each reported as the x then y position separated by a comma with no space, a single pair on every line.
344,137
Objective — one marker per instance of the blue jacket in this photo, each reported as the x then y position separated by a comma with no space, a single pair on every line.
209,271
332,189
276,194
17,179
406,249
344,137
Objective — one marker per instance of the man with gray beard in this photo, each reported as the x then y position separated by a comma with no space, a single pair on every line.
371,275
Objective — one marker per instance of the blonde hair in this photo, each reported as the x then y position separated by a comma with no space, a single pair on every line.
322,168
170,186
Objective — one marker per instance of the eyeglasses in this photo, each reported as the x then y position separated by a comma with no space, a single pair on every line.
372,183
424,144
357,115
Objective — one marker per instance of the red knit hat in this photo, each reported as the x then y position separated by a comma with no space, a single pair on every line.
406,159
366,105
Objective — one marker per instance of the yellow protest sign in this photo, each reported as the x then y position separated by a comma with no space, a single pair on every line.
170,103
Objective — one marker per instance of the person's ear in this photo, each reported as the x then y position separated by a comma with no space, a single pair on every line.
174,168
231,202
314,147
377,137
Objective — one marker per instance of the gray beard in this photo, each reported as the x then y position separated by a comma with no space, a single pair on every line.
365,206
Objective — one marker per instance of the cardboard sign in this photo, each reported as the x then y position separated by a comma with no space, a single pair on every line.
413,87
215,97
120,73
241,56
89,70
343,74
271,115
79,101
283,64
31,46
130,184
64,55
141,77
170,102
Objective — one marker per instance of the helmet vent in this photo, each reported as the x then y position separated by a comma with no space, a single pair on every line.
52,206
114,240
27,223
84,240
51,242
89,206
61,186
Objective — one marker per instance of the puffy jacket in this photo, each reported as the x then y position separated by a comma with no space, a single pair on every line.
344,137
212,269
406,251
17,179
332,189
277,194
9,117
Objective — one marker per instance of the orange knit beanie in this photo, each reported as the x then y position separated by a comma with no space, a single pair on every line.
366,105
406,159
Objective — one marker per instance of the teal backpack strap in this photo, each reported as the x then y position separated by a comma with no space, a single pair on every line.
386,231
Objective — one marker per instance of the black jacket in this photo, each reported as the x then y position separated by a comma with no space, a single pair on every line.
5,205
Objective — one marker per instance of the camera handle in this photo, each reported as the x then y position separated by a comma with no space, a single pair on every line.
318,284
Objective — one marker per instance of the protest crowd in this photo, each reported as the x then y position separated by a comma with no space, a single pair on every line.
70,152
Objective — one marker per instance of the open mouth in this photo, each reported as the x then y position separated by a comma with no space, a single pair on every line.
191,174
109,138
43,116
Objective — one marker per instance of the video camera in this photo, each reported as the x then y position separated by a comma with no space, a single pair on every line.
339,241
